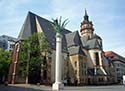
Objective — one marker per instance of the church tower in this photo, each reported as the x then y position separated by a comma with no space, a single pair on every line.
86,27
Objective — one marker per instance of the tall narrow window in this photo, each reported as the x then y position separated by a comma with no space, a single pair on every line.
75,64
44,61
97,58
44,74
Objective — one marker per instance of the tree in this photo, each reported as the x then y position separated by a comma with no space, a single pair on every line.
5,60
23,60
32,56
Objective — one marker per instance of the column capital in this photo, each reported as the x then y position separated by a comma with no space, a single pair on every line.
58,35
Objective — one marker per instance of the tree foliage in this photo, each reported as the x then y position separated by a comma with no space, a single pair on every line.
31,54
5,60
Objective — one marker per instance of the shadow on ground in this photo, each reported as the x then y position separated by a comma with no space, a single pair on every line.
18,88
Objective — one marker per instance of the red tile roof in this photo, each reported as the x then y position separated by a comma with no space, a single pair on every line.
114,56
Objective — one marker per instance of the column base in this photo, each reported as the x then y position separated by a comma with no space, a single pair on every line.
58,86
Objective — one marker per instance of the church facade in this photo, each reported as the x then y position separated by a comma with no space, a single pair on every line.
84,61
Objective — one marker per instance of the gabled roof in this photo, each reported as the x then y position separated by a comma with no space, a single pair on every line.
75,50
73,39
29,27
50,33
84,40
93,44
97,36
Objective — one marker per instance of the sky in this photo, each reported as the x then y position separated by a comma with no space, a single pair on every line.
108,17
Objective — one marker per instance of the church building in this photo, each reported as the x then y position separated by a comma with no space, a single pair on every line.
84,61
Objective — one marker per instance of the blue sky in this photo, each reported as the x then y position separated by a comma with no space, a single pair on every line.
108,17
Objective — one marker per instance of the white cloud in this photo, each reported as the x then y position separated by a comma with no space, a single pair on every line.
67,8
10,16
103,13
9,7
71,9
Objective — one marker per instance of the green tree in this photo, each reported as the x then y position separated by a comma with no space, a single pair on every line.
5,60
32,55
23,59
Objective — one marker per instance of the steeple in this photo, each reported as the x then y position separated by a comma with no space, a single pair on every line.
86,17
86,26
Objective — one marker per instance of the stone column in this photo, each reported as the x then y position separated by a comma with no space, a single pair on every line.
58,66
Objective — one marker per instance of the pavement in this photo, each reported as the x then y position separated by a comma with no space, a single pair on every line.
23,87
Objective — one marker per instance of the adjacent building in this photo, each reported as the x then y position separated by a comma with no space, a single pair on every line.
7,42
84,61
119,64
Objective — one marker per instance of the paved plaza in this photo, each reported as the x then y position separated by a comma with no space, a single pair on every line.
46,88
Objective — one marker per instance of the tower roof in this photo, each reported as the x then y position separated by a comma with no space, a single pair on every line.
86,17
86,22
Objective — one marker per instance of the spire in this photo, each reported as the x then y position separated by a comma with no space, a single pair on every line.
86,17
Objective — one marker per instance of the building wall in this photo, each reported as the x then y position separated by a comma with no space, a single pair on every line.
120,69
7,42
72,60
92,56
118,63
65,60
103,66
78,69
3,44
10,45
113,75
